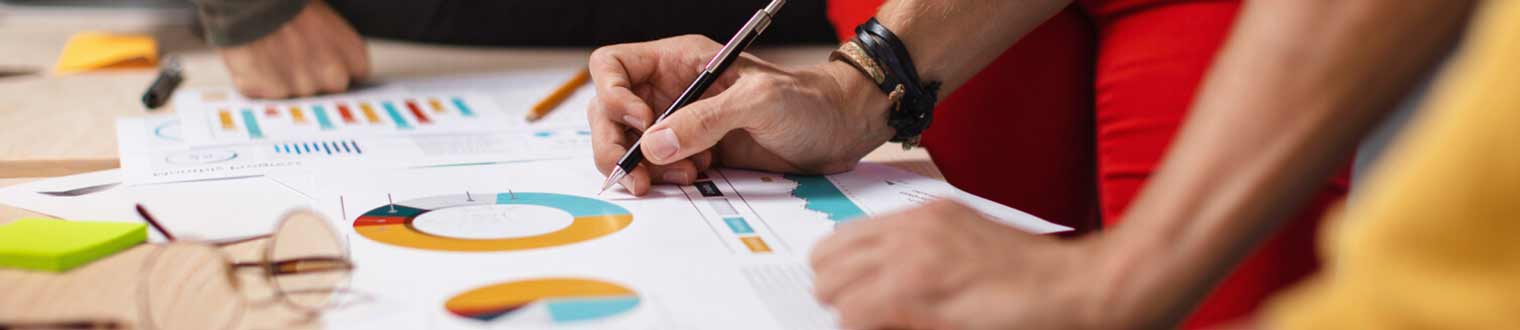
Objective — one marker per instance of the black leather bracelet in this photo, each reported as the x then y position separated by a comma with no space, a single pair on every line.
914,100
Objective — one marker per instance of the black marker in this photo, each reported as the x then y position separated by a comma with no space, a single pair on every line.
169,77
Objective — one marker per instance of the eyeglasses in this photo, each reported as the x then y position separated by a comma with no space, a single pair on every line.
301,266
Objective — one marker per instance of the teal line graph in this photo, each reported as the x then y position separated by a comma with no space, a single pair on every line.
822,196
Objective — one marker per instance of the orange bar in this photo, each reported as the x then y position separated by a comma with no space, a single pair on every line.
422,118
296,115
369,113
226,118
437,106
755,244
348,116
271,111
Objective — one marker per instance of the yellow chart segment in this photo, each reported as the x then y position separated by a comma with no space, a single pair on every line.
561,301
226,119
527,291
580,229
591,218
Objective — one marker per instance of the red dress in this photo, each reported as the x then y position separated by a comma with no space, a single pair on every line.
1083,109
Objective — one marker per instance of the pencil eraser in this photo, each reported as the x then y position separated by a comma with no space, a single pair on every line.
59,245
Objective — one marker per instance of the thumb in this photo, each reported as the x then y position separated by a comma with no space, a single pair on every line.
690,130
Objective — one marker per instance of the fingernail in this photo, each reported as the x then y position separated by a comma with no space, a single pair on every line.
675,176
633,122
663,144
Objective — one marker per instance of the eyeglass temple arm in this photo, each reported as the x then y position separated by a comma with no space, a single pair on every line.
64,325
153,222
300,265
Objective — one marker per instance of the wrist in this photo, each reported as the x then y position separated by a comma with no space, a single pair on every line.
1137,284
861,100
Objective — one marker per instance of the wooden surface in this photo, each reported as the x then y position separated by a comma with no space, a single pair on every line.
69,121
59,125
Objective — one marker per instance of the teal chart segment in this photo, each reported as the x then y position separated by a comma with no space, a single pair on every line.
822,196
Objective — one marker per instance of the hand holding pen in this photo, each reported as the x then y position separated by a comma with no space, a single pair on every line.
755,115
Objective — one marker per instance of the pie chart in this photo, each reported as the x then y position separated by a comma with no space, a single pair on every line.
544,301
586,219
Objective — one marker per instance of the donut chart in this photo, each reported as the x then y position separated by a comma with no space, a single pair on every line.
544,300
392,224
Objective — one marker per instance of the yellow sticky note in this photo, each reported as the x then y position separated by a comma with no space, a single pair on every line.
58,245
91,50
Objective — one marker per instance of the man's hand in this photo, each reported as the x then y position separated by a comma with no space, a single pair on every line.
317,51
820,119
945,266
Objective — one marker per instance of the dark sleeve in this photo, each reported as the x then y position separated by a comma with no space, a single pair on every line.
230,23
577,23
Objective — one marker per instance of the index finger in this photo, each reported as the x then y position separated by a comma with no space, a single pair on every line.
614,69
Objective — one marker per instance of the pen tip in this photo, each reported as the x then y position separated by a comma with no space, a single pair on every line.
617,174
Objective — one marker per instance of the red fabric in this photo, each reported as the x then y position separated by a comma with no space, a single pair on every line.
1070,122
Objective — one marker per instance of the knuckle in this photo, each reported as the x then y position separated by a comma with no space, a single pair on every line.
604,52
274,92
334,79
608,54
304,86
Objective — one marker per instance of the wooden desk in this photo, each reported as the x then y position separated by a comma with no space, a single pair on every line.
59,125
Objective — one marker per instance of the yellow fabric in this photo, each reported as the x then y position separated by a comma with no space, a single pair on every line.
89,51
1434,243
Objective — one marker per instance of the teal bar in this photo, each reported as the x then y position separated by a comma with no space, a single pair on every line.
738,226
390,109
463,109
252,123
322,117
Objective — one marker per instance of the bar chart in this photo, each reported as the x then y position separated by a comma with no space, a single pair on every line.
239,121
319,148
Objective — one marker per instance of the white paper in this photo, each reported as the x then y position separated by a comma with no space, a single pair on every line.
516,92
152,151
471,119
690,253
217,117
219,209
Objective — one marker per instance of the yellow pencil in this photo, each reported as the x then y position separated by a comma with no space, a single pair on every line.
549,103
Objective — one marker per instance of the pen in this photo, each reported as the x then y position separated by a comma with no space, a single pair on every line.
710,73
551,102
168,79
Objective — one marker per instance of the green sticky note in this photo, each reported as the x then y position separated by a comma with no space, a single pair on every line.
57,245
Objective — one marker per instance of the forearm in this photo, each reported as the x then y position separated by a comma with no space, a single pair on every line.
1297,85
951,40
948,41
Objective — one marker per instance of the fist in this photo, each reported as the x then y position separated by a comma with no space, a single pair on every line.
316,52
